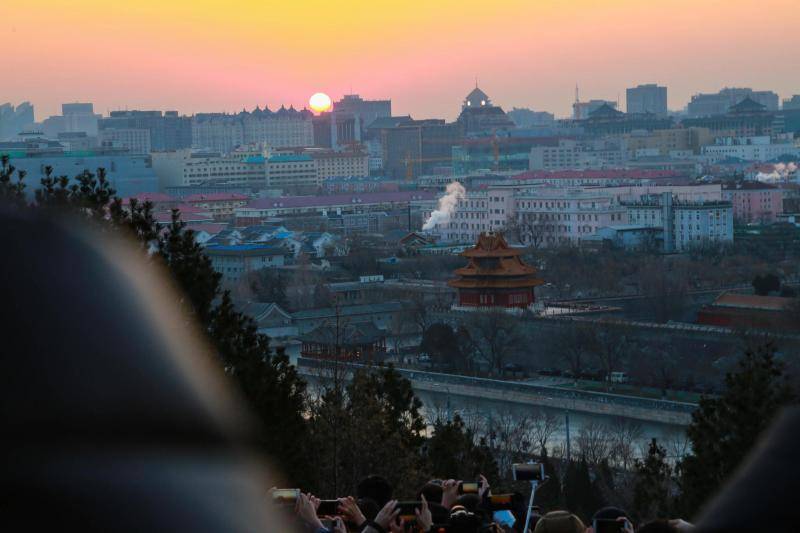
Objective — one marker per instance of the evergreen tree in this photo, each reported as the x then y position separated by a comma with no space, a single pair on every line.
370,426
652,485
270,385
548,495
581,495
724,429
452,453
440,342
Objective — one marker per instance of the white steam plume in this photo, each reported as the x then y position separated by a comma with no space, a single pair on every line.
447,203
780,172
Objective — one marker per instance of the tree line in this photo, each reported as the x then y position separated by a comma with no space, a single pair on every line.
325,439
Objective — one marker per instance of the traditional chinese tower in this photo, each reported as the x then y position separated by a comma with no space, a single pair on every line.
495,275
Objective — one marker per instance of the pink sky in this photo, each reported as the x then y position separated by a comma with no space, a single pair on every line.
193,56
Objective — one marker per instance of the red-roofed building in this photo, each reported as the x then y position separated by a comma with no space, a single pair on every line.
222,205
158,199
604,177
261,208
749,311
495,276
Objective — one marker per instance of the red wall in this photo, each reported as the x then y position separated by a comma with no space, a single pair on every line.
499,298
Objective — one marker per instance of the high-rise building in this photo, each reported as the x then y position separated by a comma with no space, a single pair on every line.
792,103
706,105
367,110
223,132
80,117
167,131
14,120
134,140
649,98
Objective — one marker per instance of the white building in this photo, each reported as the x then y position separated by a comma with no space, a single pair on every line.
761,148
223,132
570,154
185,167
685,224
545,216
536,216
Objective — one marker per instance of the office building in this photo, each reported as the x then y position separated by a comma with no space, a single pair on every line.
128,174
167,131
792,103
134,140
223,132
650,98
292,173
366,110
14,120
685,224
707,105
570,154
754,202
183,168
762,148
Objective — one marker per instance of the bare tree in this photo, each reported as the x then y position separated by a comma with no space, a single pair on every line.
543,425
624,434
574,345
496,335
593,442
610,347
528,229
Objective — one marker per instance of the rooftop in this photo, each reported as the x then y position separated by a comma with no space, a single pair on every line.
289,158
752,301
340,199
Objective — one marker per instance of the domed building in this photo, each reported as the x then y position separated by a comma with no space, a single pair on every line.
495,276
479,117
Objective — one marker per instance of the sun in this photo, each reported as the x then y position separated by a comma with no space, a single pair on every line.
320,102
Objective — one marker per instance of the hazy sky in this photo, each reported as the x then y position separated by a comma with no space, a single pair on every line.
201,55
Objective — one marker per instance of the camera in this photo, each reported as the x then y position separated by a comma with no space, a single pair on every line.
608,525
469,487
528,471
328,508
407,510
285,496
501,502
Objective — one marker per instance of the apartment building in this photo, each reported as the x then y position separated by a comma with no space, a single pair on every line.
685,224
183,168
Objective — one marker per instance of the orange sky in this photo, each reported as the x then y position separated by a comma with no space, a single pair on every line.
203,55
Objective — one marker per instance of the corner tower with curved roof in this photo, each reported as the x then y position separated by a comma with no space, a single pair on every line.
495,275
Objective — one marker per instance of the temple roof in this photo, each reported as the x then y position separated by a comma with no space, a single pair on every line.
493,264
491,244
605,111
748,105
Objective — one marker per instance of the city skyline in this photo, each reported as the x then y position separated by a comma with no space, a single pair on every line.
425,58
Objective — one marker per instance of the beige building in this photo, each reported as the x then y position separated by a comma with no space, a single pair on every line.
332,164
185,167
292,173
667,142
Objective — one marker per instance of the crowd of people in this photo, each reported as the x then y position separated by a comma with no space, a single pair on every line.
449,506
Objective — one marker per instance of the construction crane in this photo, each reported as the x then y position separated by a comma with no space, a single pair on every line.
410,161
